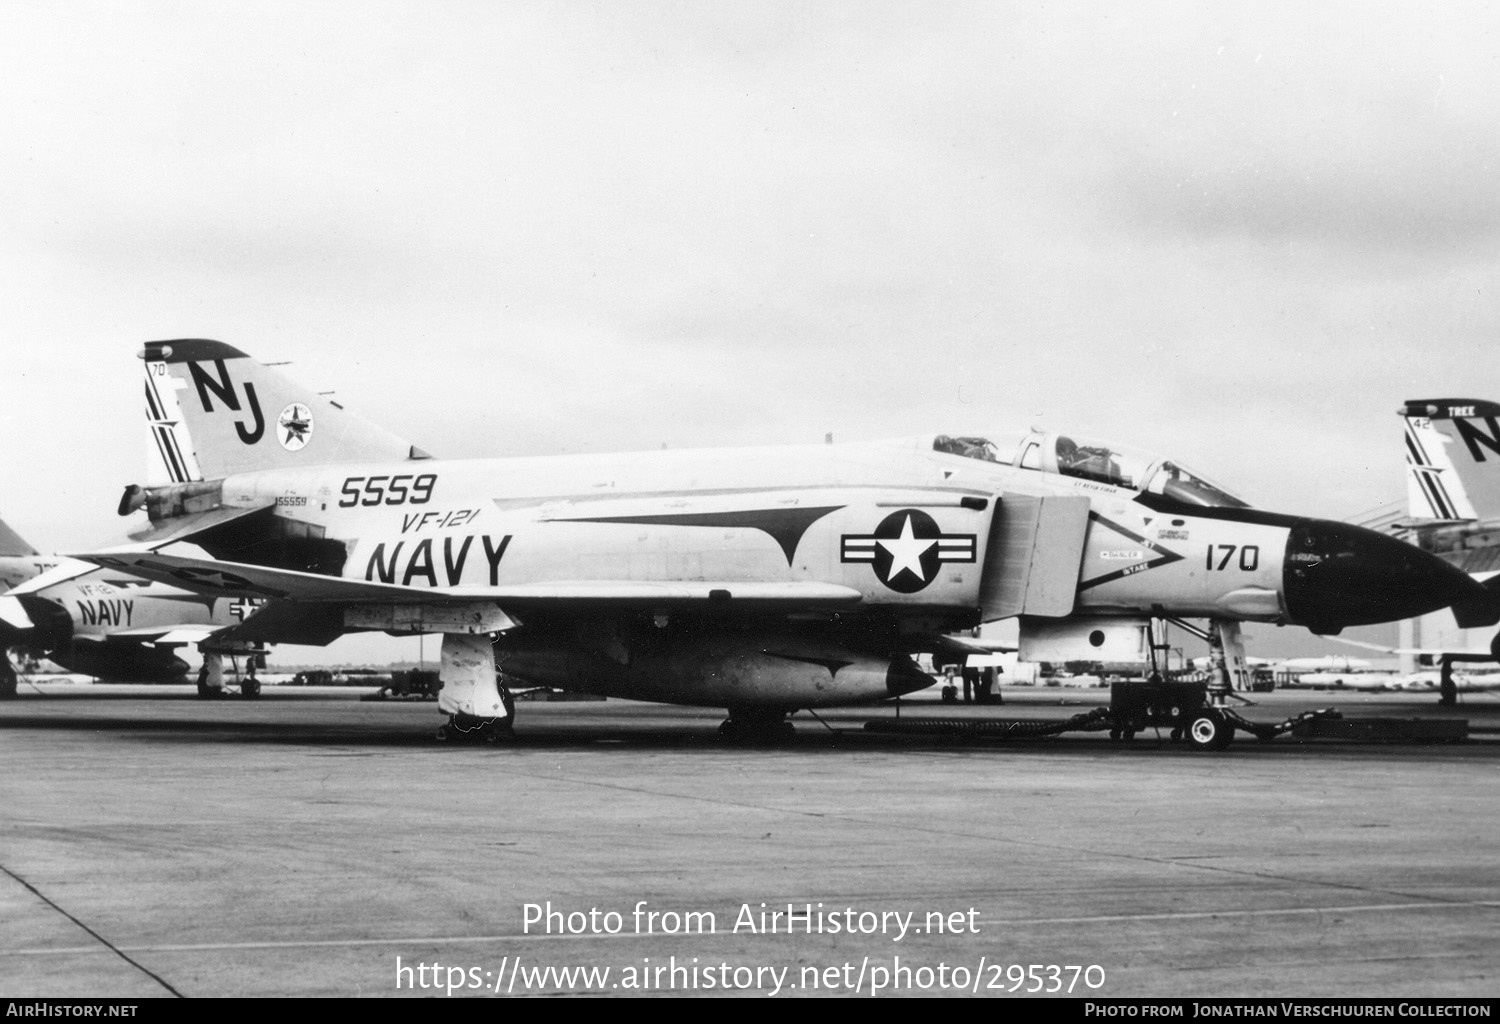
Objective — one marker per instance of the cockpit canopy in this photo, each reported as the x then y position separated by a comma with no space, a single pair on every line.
1085,459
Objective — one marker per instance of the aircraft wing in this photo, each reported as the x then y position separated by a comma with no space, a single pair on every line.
179,529
67,569
236,579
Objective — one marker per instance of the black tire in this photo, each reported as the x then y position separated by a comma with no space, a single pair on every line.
250,688
1207,730
499,733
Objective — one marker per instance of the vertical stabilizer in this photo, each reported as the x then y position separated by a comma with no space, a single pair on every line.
11,543
1452,459
214,412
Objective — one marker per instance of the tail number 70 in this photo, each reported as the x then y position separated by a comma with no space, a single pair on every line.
1220,555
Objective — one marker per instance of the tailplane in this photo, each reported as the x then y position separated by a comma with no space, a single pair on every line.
1452,459
214,412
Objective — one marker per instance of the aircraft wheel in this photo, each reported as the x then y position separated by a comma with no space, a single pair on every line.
1209,731
755,731
7,681
250,688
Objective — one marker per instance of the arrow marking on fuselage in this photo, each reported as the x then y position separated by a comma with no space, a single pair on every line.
1164,556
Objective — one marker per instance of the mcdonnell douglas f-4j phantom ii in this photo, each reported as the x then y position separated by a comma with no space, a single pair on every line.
101,622
761,580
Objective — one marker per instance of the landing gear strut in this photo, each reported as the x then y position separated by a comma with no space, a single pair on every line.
471,697
211,675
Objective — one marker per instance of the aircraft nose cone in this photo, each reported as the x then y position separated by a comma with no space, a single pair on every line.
1338,575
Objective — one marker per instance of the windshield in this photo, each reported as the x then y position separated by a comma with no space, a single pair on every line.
1092,461
969,448
1172,481
1141,471
1086,459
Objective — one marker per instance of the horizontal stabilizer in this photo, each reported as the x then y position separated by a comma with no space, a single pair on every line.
66,569
193,524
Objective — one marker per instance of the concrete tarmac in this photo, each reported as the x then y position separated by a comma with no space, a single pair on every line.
309,844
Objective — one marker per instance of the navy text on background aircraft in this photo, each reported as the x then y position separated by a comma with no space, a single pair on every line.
761,580
101,623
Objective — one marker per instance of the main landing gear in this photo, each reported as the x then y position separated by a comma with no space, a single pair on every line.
211,675
463,728
478,708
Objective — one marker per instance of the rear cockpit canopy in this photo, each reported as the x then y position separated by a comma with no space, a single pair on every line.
1085,459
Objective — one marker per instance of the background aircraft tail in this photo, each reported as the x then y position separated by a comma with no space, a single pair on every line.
214,411
1452,459
11,543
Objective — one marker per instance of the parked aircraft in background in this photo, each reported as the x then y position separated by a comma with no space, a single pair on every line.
762,580
1453,511
99,622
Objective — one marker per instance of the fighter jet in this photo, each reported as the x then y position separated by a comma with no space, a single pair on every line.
1453,511
760,580
101,623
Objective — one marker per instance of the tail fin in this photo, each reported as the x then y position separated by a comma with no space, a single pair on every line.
214,412
1452,459
12,544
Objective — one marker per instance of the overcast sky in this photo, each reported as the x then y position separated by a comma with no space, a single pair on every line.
1238,234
